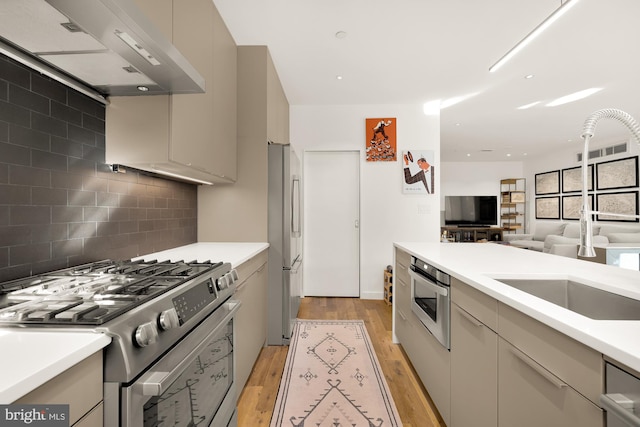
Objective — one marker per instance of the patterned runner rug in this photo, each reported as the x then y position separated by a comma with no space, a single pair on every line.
332,378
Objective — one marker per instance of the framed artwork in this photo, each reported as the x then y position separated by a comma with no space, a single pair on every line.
381,140
571,206
548,207
614,174
548,183
418,172
621,203
572,179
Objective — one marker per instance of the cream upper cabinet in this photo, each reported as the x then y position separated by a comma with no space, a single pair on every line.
193,135
277,107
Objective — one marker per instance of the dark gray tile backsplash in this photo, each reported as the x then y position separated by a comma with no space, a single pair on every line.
60,204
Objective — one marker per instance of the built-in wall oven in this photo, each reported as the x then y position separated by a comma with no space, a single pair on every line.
431,299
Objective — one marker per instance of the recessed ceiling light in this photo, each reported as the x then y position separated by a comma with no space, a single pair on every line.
468,154
339,77
457,124
529,76
341,34
508,155
574,96
143,88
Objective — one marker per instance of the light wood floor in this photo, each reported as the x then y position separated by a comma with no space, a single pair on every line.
414,405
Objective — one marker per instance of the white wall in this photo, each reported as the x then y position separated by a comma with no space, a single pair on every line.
386,215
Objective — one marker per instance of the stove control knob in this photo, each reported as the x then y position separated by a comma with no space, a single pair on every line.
234,275
146,334
222,283
168,319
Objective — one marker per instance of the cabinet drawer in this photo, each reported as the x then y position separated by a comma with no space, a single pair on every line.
79,386
403,260
478,304
531,396
247,268
574,363
402,294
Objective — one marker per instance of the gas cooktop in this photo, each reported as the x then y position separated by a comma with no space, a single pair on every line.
94,293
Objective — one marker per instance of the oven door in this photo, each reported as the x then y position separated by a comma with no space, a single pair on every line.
193,384
430,302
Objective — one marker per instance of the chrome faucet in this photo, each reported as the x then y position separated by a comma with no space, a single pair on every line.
586,229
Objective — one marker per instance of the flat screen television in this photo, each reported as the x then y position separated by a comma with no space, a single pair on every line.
471,211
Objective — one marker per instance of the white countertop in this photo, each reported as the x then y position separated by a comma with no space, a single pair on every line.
31,357
234,252
477,264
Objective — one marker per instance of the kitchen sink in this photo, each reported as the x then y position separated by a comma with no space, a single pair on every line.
579,298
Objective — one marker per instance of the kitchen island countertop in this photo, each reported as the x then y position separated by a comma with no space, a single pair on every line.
479,264
31,357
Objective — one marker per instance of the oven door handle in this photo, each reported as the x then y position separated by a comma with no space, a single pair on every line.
155,383
434,287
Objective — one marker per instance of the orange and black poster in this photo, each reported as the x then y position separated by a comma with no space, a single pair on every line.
381,140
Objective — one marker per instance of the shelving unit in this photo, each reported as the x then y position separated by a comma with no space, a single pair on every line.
513,198
388,287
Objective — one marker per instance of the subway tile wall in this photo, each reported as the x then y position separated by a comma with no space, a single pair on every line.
60,204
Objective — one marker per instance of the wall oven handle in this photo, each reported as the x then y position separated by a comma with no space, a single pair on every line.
435,288
155,383
614,408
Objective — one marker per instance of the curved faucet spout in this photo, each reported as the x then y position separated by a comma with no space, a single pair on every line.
586,229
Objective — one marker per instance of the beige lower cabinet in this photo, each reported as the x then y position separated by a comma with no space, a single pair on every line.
430,359
504,369
251,319
531,396
79,386
474,371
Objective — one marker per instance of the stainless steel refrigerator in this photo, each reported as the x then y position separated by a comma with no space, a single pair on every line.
285,246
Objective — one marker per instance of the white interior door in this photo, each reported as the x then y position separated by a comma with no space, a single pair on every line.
331,225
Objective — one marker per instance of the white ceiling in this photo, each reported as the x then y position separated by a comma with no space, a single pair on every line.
415,51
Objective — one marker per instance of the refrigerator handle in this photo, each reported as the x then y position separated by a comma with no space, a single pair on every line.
295,207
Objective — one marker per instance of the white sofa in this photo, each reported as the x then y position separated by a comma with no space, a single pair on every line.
563,238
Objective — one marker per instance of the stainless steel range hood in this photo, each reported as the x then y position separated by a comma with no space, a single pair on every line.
109,46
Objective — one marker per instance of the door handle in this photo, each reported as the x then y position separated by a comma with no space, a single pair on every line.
357,224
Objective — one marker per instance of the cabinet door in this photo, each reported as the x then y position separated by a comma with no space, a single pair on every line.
430,359
251,319
402,282
474,371
192,122
531,396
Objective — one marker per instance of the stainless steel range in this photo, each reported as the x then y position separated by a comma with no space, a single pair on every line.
171,360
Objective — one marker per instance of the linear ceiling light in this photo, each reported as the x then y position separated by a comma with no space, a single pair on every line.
574,96
568,4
